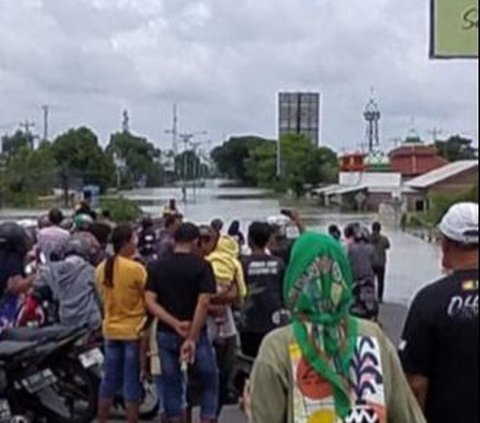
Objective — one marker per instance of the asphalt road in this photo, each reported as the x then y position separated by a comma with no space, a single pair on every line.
392,319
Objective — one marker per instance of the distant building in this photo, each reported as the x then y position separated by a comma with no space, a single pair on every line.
453,178
299,113
361,191
414,158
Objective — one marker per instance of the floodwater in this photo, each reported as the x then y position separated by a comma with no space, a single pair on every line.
412,262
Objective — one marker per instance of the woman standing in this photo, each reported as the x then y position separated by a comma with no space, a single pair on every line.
121,282
327,366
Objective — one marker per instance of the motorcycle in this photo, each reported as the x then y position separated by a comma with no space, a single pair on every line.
41,383
40,311
90,355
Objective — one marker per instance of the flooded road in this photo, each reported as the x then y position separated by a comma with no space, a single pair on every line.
412,262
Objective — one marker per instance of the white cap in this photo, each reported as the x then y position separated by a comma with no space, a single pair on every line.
461,223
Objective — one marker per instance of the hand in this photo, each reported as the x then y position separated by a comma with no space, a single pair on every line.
295,215
246,401
188,351
217,311
183,328
19,285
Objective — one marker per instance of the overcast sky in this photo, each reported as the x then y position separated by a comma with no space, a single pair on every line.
224,61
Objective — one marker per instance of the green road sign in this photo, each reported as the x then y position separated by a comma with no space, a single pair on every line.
454,29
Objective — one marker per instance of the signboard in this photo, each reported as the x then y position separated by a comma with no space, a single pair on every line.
454,29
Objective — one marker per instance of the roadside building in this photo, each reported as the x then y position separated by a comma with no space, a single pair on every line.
453,178
414,158
361,191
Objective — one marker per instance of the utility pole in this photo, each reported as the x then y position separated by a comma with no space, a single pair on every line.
174,131
26,125
46,112
187,140
435,132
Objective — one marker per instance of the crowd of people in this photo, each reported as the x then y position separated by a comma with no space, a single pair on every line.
179,302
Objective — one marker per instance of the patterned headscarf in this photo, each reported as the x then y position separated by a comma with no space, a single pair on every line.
318,293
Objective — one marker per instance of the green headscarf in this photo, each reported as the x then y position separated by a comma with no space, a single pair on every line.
318,292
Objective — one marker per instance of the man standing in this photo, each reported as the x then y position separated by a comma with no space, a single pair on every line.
52,238
440,350
166,240
178,294
381,245
264,277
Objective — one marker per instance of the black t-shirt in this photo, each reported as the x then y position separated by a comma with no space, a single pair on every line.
440,342
264,278
179,280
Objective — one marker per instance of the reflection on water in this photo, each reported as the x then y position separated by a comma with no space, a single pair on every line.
413,263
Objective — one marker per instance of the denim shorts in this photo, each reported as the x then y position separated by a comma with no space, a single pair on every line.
122,371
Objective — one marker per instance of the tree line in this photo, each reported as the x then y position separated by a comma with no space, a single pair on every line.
76,158
253,161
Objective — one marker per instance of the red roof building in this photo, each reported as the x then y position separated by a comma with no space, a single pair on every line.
415,159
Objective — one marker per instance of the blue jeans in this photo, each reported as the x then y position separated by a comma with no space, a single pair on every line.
122,371
173,382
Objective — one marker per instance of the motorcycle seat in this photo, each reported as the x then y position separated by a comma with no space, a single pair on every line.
37,334
9,349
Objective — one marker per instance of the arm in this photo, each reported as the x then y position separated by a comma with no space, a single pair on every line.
188,350
164,316
297,220
419,385
207,289
402,405
388,245
228,297
269,388
200,317
417,349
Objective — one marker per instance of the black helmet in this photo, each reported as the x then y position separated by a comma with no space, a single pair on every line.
147,222
76,246
358,231
14,238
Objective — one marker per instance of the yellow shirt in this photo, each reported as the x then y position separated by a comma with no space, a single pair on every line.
124,304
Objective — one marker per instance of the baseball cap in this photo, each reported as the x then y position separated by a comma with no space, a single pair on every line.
461,223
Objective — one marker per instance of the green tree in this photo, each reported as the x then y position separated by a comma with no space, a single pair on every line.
17,141
261,165
231,158
302,164
457,148
29,173
79,155
141,157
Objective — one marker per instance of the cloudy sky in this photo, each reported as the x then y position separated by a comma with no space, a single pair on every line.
224,61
